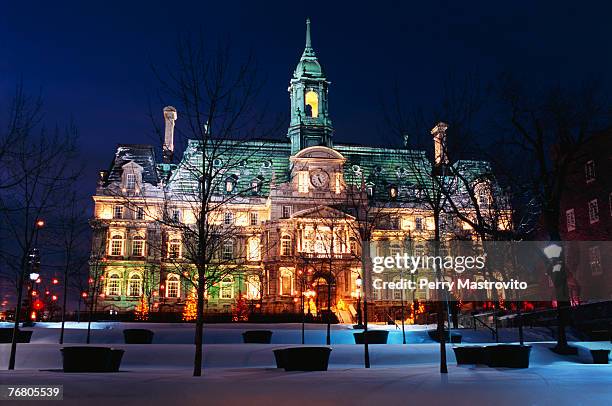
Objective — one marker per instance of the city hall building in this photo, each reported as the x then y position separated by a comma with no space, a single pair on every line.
292,207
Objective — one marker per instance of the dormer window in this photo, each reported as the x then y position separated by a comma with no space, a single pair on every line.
393,192
370,190
130,181
256,185
217,162
230,184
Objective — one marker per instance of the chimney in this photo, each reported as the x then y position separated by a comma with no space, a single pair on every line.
168,148
439,136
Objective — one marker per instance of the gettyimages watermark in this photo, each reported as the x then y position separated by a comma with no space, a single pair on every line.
500,271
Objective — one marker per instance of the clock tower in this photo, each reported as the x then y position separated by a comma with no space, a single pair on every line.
310,124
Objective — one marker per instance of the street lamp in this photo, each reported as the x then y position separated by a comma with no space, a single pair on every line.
554,254
359,283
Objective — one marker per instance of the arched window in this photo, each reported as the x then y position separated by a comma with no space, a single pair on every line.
286,282
174,248
138,246
134,285
173,286
228,249
253,287
312,101
113,285
286,247
116,245
254,253
226,290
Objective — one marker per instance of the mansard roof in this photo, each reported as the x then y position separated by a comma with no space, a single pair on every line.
142,155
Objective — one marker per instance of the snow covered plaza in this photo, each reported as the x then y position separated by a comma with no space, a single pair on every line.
236,373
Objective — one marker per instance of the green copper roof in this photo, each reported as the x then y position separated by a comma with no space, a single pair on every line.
309,65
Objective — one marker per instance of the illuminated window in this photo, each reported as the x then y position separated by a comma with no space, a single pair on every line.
173,286
571,220
140,213
253,287
228,249
256,185
174,248
311,104
138,245
286,282
338,182
370,189
130,181
113,285
254,218
230,183
228,218
593,211
286,248
254,249
226,290
393,192
135,285
116,246
118,212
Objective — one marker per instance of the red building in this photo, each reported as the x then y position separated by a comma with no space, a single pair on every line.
587,208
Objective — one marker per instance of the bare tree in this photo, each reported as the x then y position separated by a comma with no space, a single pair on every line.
37,166
198,235
550,129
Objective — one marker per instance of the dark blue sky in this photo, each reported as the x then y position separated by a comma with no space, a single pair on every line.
92,59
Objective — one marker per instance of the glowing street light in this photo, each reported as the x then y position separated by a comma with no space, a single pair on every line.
34,276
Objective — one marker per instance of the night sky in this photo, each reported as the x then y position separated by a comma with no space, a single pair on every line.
92,59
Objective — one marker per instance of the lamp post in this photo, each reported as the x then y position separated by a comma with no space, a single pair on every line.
554,253
358,284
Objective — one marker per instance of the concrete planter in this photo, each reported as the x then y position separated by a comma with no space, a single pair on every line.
304,358
91,359
507,355
600,356
6,335
374,337
471,354
138,336
257,337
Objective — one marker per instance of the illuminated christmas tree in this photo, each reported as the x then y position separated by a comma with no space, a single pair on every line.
142,310
190,311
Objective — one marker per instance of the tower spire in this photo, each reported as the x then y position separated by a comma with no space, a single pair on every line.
308,51
308,45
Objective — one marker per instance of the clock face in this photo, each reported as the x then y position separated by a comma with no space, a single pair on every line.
319,178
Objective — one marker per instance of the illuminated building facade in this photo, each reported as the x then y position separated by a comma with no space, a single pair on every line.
295,210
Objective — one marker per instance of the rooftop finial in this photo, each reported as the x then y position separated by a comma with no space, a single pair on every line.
308,46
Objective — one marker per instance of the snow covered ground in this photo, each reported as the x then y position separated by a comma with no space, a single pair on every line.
160,373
